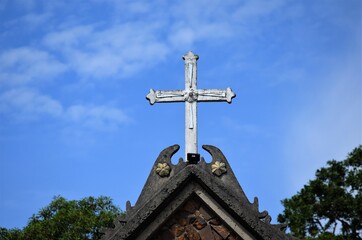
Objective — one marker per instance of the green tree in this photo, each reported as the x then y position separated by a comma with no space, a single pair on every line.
330,206
63,219
10,234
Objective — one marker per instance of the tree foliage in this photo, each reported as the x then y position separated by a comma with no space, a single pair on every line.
330,206
63,219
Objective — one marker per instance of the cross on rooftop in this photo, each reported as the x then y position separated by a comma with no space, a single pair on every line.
191,95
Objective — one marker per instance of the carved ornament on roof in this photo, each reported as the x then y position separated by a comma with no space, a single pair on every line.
218,168
163,169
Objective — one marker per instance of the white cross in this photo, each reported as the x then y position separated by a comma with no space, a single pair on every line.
191,95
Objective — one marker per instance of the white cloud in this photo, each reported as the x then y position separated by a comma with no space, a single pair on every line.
24,65
113,52
217,20
97,117
68,38
28,103
127,46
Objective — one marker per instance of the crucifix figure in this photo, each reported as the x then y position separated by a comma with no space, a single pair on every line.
191,95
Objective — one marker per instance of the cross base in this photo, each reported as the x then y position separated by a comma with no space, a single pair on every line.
193,158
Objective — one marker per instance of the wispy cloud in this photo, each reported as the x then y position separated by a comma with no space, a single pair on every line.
113,52
216,21
20,66
328,126
94,50
97,117
28,104
68,38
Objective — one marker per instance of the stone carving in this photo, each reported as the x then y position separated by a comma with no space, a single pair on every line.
218,168
195,221
191,96
163,169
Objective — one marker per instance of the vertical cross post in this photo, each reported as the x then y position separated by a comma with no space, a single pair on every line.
190,103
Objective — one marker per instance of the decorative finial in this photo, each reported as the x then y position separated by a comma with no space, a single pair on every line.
190,56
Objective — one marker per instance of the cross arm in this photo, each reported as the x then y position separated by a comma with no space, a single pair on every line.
165,96
215,95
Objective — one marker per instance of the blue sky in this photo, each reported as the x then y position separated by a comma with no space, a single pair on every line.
74,76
